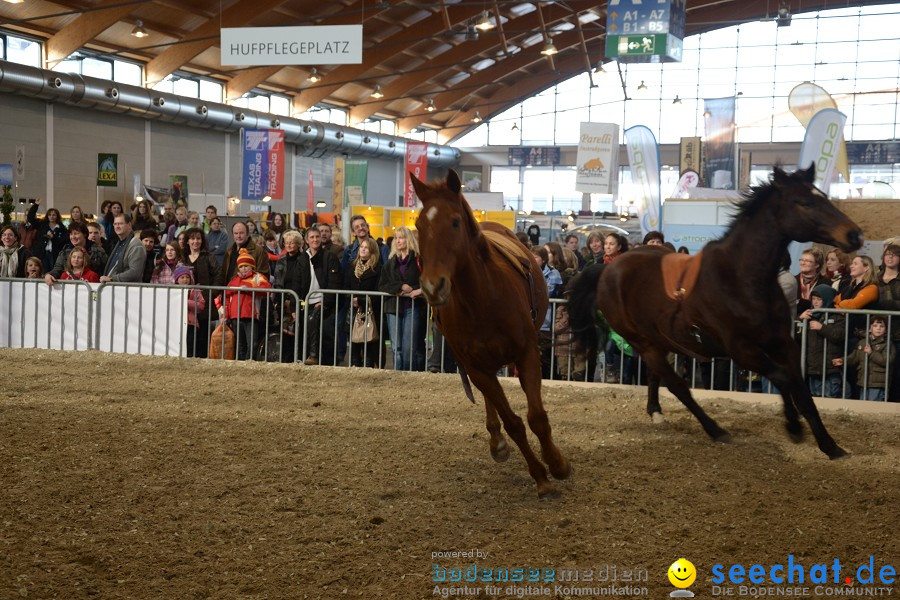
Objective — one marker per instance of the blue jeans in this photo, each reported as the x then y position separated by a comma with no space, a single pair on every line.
407,331
875,394
833,387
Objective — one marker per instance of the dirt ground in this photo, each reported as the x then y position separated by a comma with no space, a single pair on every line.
133,477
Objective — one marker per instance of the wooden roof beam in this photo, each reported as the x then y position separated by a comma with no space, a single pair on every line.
84,28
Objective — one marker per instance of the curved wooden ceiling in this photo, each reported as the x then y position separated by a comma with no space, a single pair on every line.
416,51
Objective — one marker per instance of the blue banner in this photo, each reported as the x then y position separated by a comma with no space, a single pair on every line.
262,172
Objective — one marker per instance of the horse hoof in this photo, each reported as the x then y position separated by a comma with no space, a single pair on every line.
723,438
501,452
795,431
657,418
838,452
563,471
548,492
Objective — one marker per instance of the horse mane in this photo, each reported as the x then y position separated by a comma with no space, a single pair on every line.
754,199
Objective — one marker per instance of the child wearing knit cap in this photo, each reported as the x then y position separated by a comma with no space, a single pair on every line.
243,309
196,304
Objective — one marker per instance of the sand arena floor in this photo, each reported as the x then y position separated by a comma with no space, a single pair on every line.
133,477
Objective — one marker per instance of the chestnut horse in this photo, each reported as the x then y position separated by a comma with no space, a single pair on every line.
736,305
489,299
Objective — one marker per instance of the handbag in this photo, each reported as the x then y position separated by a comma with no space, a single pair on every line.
364,328
216,349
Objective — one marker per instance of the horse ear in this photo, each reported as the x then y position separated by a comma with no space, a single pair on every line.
809,175
778,175
421,188
453,182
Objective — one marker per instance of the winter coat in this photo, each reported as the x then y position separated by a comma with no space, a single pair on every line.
878,365
827,343
391,282
57,242
889,299
86,275
245,306
368,282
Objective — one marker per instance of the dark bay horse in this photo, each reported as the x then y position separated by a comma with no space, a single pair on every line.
736,305
489,299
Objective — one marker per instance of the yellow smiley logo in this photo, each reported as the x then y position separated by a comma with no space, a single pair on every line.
682,573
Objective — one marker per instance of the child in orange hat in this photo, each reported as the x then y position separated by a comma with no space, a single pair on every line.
243,309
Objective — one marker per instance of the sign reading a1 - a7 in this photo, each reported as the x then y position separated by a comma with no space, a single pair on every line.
637,16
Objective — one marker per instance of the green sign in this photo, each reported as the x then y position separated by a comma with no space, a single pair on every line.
107,170
644,47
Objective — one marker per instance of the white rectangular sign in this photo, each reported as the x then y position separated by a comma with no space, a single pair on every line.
598,151
318,45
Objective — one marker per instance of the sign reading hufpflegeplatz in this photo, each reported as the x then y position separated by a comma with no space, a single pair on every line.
320,45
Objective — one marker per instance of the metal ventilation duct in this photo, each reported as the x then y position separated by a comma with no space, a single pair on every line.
312,137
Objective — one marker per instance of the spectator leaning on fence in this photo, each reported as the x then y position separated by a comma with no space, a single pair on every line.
242,241
78,238
12,254
77,268
126,261
324,274
871,361
825,344
363,276
243,308
197,329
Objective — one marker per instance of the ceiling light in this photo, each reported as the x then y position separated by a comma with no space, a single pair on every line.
549,49
471,32
429,106
677,100
515,127
599,70
642,87
485,23
784,15
377,93
138,31
320,204
15,1
707,114
313,76
477,117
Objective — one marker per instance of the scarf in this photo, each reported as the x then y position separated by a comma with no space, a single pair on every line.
806,285
9,261
363,266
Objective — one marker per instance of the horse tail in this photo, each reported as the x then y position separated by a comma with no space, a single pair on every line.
583,308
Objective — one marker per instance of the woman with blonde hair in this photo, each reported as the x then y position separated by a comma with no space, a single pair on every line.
860,291
406,311
363,276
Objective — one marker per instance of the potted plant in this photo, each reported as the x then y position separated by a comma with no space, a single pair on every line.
7,206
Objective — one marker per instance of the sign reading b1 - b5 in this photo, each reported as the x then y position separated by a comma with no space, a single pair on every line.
645,30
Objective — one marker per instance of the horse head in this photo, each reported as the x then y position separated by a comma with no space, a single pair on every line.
805,213
448,235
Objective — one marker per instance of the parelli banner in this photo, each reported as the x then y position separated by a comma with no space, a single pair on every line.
416,164
643,156
263,164
822,144
596,162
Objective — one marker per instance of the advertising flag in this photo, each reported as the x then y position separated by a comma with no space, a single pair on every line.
807,99
643,155
416,164
597,164
263,164
821,145
355,182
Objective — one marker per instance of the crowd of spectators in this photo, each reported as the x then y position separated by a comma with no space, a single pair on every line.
176,246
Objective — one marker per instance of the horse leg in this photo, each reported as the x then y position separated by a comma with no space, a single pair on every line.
493,394
653,407
530,379
796,397
499,447
658,363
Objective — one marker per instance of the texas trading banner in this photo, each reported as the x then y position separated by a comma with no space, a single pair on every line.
643,155
821,145
263,165
596,164
107,170
719,144
416,164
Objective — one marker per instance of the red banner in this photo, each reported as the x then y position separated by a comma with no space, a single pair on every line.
310,194
276,164
416,164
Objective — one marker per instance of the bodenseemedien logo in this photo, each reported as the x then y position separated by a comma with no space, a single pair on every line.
682,574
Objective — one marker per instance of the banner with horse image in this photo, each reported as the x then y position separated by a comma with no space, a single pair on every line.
643,156
596,161
821,145
719,143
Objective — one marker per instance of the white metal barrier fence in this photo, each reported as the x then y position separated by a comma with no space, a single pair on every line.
390,332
